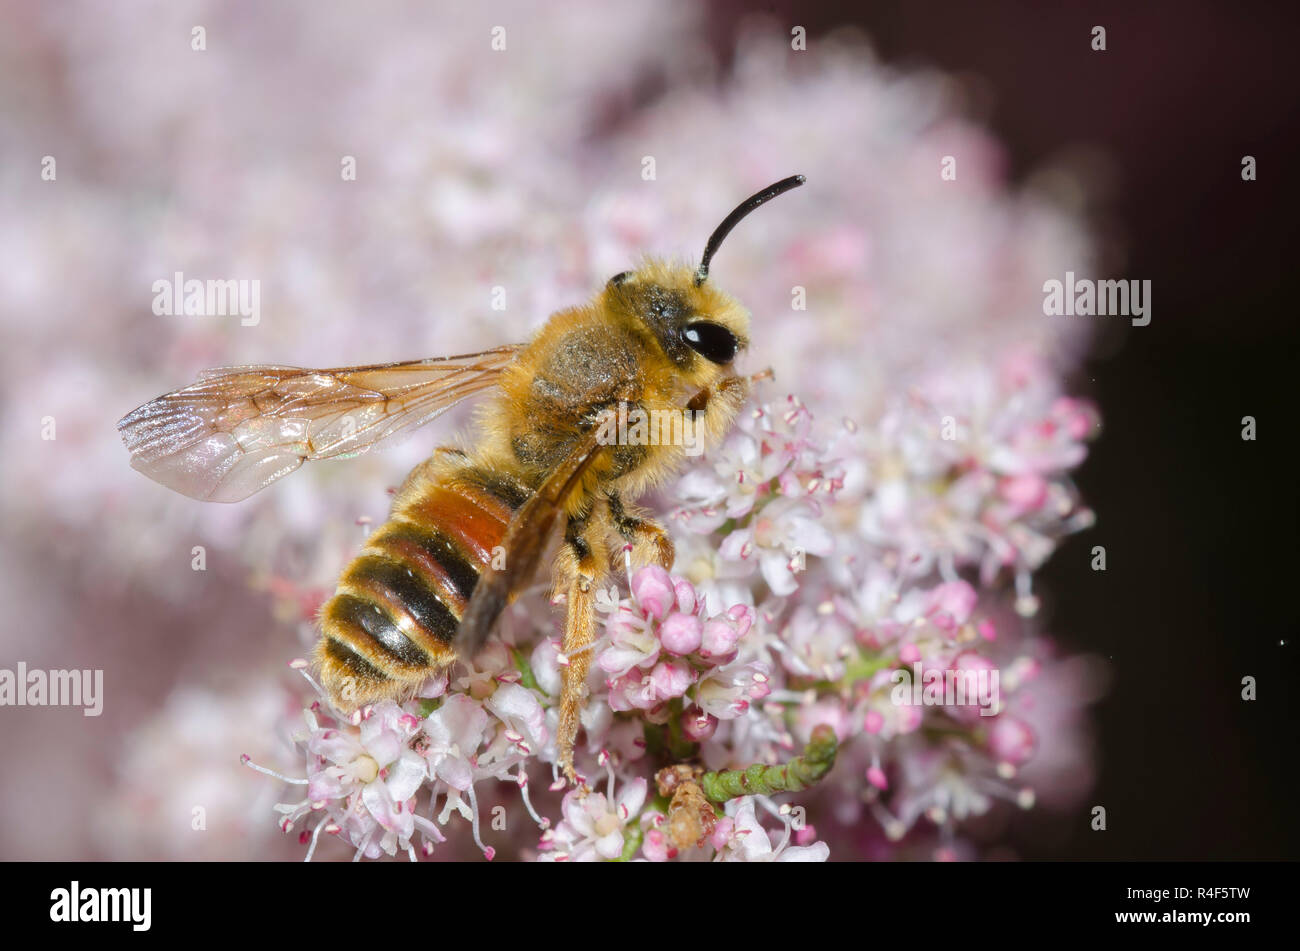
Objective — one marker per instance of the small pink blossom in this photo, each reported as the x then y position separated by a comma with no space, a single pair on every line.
593,825
750,842
681,633
1011,740
726,693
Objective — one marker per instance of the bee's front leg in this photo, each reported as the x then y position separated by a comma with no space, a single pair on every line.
716,406
580,570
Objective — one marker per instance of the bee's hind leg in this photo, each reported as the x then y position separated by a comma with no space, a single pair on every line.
580,570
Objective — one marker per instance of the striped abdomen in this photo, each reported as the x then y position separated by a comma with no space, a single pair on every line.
393,620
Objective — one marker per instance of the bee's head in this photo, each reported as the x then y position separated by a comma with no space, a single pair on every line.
700,328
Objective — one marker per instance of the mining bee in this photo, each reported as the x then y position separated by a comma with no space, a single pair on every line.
468,527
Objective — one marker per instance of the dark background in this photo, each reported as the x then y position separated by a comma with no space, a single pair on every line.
1198,525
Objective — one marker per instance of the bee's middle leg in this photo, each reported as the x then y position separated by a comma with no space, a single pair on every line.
650,543
580,570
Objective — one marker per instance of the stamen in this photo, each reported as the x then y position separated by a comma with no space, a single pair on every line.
365,844
604,759
768,805
1026,602
474,825
302,666
785,839
521,779
581,650
627,571
248,761
894,827
315,834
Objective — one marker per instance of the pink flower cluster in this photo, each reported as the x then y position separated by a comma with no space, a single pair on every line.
872,643
665,661
364,774
763,492
801,616
661,648
972,469
595,826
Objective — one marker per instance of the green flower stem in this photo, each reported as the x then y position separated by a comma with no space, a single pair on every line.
526,676
800,773
655,739
858,669
633,836
680,747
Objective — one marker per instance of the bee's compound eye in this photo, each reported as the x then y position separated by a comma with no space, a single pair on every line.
713,342
620,277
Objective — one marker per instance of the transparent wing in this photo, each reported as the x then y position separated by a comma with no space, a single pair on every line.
238,429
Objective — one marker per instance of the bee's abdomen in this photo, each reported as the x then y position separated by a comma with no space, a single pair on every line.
393,621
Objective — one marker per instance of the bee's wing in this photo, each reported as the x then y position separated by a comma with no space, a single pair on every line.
526,538
239,429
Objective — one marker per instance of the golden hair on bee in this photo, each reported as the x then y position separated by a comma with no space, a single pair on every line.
605,402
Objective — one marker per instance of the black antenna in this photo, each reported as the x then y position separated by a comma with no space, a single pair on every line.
729,222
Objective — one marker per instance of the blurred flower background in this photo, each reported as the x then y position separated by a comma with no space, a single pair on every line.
890,303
